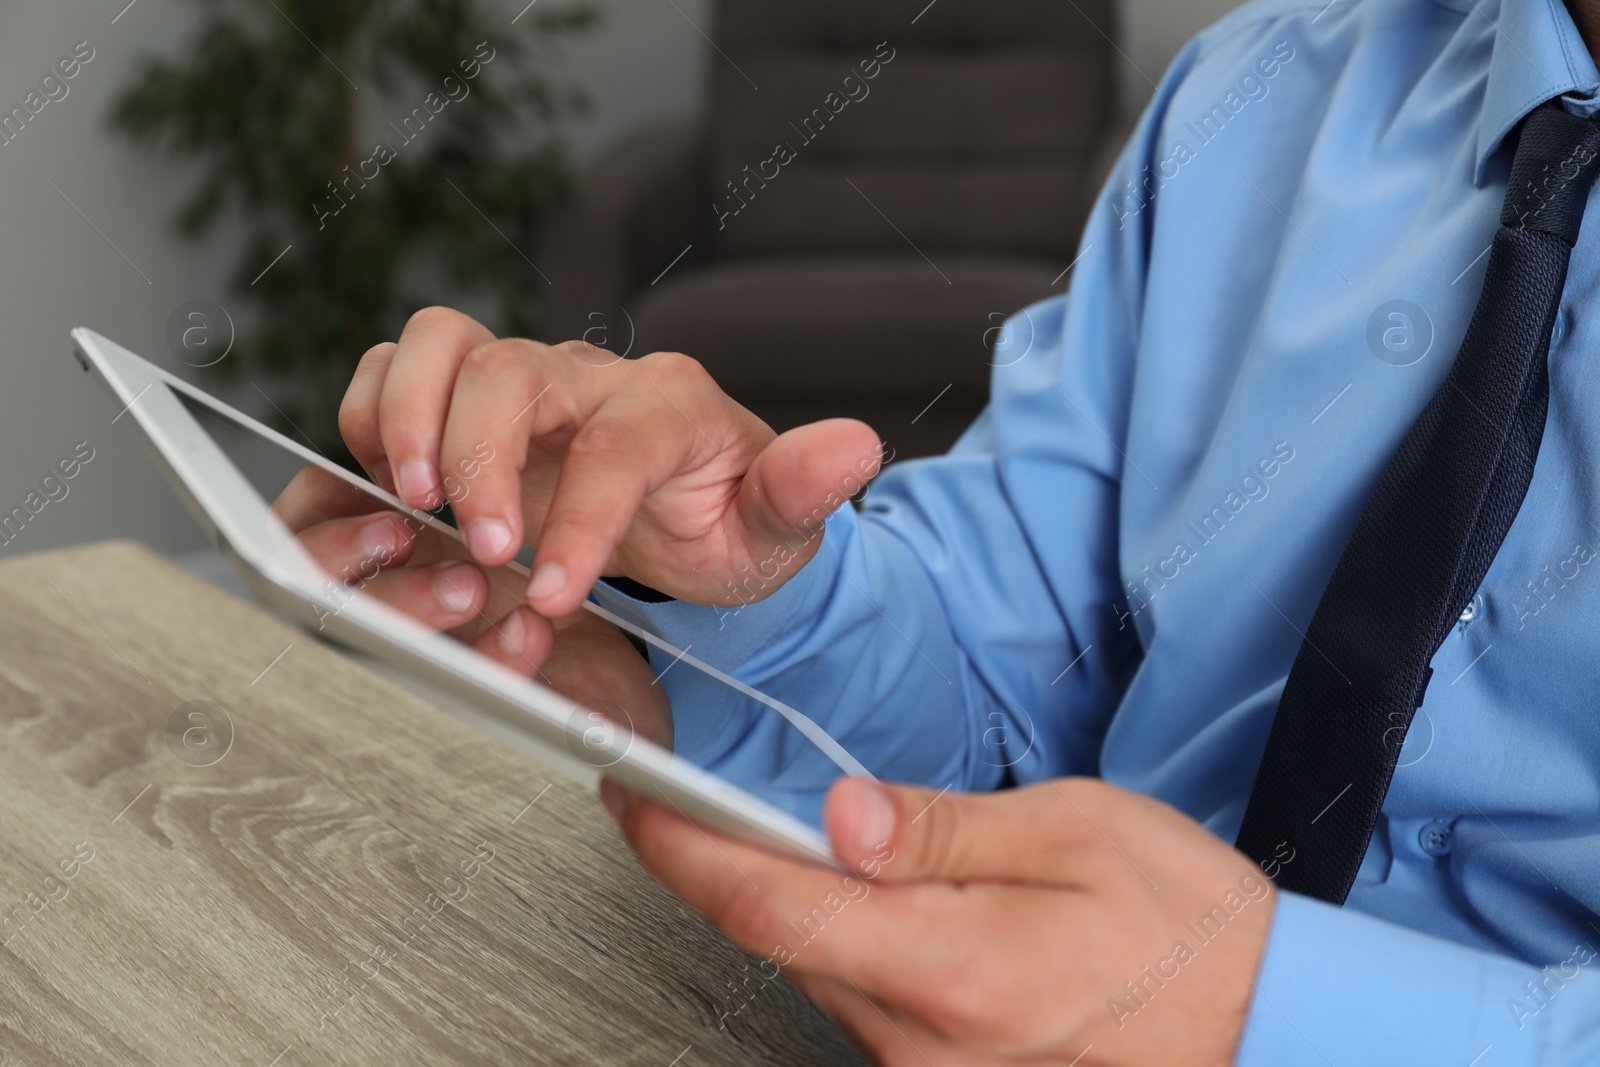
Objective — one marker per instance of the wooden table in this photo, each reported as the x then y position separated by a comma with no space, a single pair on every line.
352,877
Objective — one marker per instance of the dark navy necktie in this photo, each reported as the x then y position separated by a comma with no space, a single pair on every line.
1426,538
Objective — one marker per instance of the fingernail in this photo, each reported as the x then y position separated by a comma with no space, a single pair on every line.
488,538
877,816
513,634
383,474
417,480
379,541
614,797
549,579
456,586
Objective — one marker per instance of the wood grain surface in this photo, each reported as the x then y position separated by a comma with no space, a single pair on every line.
354,878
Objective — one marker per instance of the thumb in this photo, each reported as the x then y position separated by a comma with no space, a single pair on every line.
800,479
908,834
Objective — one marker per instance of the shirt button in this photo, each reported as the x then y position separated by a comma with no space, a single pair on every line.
1435,838
1472,610
1559,332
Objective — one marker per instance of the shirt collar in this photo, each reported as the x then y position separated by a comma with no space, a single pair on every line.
1537,54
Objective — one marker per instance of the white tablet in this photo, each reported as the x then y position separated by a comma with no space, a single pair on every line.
227,468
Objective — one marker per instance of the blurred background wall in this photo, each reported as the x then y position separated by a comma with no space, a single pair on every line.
85,236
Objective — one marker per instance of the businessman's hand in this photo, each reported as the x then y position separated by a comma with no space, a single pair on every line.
642,468
1066,923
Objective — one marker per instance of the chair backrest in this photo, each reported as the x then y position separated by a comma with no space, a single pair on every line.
861,124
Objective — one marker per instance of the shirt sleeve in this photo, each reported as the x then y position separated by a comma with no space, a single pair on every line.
1342,988
877,639
948,632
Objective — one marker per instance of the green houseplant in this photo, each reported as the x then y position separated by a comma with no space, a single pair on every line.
364,142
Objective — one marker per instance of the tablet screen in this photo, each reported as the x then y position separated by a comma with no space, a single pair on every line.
367,546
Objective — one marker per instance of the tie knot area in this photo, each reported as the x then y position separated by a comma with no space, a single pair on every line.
1558,156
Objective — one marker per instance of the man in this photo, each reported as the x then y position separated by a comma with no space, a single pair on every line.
1099,594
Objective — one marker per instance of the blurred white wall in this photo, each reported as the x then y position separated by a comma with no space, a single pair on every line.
108,258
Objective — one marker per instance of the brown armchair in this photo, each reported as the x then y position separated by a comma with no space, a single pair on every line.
845,239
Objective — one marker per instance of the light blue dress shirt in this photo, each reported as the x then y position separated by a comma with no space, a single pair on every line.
1112,571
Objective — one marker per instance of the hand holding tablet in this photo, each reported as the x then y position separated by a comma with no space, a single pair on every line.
429,576
354,562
